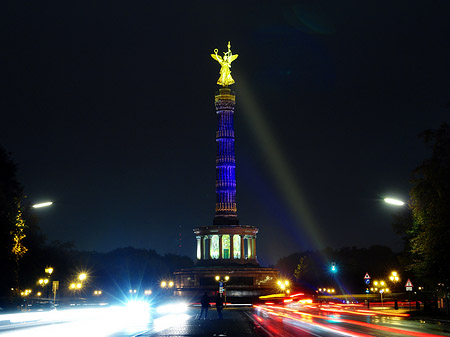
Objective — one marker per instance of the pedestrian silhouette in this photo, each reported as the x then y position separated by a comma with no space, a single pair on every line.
219,305
204,301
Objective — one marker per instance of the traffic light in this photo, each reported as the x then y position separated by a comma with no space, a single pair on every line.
333,267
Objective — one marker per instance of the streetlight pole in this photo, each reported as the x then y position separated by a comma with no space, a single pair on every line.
222,289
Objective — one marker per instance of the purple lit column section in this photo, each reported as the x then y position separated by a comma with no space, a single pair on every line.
226,210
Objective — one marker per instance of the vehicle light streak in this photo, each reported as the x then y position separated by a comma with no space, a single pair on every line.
383,313
97,322
348,321
335,330
348,312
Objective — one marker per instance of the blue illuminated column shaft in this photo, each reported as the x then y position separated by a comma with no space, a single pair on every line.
226,210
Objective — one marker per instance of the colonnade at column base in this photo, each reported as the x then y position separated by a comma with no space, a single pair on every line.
220,245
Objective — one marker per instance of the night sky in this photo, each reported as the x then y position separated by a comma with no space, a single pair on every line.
108,109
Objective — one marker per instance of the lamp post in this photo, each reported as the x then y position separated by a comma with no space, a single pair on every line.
222,288
166,285
394,279
380,286
43,283
75,287
284,286
49,272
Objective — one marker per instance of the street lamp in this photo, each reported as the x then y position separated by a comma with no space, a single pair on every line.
380,286
394,277
222,288
43,282
395,202
82,277
43,204
284,286
166,285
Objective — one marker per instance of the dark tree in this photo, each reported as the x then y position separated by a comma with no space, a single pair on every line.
12,225
429,231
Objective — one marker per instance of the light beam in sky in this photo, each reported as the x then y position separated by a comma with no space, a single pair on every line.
285,179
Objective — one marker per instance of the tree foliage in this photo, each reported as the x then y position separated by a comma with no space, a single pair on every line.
12,224
429,231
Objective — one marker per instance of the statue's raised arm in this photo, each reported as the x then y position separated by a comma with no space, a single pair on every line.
225,78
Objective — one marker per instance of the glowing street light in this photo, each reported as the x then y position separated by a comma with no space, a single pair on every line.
167,284
393,201
222,286
43,281
394,277
284,285
382,289
75,286
82,277
43,204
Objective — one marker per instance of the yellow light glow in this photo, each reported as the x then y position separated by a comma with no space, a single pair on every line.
382,283
227,278
286,283
271,296
170,284
39,294
82,276
49,270
217,277
375,283
163,284
79,285
72,286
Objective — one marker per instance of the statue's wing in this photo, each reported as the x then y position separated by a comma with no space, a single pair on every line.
216,57
233,57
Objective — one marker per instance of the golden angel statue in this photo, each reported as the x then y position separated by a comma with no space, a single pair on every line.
225,78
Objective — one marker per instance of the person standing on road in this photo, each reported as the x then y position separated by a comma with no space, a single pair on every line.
204,301
219,305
